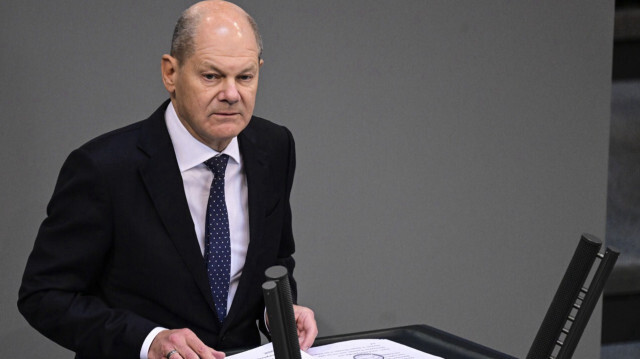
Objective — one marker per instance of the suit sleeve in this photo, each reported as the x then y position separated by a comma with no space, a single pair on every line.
59,295
287,247
287,244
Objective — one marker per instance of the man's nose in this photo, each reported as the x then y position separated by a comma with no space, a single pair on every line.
229,92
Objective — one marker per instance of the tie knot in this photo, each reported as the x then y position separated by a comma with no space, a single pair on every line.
217,165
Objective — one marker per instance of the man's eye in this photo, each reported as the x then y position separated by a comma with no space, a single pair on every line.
245,77
210,76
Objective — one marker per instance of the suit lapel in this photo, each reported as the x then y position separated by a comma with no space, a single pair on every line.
163,181
256,169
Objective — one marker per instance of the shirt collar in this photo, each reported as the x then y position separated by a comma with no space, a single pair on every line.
189,151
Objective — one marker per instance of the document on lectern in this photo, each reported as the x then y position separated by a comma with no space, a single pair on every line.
350,349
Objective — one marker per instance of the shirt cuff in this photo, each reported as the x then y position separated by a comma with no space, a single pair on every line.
146,345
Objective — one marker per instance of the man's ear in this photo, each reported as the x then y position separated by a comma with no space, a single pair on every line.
169,67
261,62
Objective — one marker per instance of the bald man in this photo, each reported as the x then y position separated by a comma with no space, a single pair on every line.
120,264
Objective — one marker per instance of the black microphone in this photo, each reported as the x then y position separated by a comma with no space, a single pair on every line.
282,321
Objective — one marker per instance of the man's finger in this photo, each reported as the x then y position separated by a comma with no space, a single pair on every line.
181,344
306,325
172,353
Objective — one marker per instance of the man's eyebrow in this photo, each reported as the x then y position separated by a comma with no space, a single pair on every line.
209,65
250,68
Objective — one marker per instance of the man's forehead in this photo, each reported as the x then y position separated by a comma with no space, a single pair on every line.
222,52
227,63
224,33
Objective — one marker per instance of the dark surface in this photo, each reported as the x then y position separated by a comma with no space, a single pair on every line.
626,56
621,319
621,302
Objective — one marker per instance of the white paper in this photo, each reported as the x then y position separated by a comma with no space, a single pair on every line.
368,349
351,349
262,352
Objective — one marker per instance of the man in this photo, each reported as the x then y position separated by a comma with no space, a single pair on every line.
123,264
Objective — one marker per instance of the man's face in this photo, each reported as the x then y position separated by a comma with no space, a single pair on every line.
214,89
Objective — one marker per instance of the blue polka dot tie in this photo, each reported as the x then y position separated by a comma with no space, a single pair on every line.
217,242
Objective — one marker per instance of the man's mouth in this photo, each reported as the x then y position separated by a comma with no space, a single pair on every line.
226,114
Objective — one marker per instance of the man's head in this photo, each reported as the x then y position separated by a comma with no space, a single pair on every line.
212,71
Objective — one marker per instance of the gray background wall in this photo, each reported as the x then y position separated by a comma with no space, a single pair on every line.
450,152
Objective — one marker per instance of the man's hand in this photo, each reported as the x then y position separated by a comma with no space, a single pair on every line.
306,325
185,343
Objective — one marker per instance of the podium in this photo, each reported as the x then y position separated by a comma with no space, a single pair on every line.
426,339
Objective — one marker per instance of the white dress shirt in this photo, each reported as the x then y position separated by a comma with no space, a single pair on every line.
197,178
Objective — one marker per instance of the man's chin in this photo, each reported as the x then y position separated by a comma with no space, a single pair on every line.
224,134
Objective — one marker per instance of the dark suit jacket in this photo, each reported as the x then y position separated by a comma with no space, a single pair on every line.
117,254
